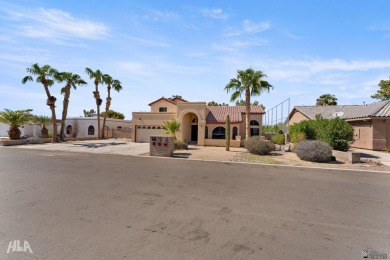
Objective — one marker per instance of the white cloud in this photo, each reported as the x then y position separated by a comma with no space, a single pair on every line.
54,25
237,45
160,16
150,42
215,13
251,27
248,27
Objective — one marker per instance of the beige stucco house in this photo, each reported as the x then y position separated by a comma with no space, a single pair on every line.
200,124
371,123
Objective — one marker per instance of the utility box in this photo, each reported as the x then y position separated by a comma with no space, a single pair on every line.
161,146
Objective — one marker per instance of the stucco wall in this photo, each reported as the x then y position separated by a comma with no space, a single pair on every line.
297,117
257,117
171,108
84,122
363,134
149,119
379,141
184,111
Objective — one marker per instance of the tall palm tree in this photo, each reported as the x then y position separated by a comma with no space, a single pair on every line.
43,121
97,76
111,83
72,81
251,83
15,119
326,100
44,75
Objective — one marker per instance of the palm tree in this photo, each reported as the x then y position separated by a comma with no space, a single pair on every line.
172,127
15,119
97,76
249,82
326,100
44,75
72,81
43,121
114,83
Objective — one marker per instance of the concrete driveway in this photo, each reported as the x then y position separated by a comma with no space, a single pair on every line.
110,146
383,157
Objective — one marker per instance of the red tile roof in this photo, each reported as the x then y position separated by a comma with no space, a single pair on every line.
218,114
173,101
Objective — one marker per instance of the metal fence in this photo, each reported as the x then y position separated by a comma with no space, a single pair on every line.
276,118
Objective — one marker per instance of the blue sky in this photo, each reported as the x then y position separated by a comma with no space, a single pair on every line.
193,49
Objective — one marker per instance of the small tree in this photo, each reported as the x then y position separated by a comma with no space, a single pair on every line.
384,90
172,127
227,134
90,113
113,114
15,119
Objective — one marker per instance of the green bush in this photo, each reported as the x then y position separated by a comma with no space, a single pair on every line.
313,151
259,146
297,137
278,139
336,132
308,127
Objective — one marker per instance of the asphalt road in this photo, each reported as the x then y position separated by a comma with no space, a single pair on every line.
88,206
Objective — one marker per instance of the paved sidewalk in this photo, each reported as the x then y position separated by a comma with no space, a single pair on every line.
383,157
110,146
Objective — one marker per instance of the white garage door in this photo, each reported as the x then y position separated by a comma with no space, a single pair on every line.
142,135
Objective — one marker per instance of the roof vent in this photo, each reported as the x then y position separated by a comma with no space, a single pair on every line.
337,114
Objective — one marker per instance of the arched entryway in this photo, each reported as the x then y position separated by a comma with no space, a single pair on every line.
190,128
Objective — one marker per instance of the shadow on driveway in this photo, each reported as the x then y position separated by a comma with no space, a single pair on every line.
98,145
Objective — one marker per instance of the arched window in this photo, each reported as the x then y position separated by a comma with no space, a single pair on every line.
219,133
206,132
149,127
158,127
235,131
91,130
69,130
255,128
153,127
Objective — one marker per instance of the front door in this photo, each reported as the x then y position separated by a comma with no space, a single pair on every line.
194,133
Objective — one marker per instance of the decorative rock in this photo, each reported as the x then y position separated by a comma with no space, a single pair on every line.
286,148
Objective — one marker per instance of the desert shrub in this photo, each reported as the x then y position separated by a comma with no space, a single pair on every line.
297,137
313,151
259,146
278,139
179,145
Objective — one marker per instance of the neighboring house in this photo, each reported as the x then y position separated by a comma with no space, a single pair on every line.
200,124
85,127
88,126
371,123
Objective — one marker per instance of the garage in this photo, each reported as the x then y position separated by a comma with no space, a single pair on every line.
143,133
